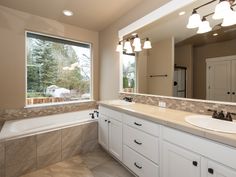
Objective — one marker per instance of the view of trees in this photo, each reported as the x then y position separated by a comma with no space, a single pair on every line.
57,64
129,69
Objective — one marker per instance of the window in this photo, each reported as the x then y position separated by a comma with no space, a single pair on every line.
129,72
58,70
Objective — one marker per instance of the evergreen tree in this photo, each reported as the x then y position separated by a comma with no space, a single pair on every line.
48,66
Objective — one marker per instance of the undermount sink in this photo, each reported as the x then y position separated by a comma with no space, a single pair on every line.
121,102
211,124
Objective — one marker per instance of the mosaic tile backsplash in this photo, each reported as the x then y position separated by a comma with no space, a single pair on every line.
183,105
12,114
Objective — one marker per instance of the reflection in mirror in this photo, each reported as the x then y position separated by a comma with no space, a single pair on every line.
183,63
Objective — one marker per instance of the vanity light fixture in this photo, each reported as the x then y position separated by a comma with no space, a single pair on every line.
229,19
223,10
136,43
119,47
147,44
68,13
204,26
194,20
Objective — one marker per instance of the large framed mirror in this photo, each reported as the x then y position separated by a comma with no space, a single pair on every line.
182,63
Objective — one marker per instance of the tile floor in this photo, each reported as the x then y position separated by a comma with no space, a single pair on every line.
93,164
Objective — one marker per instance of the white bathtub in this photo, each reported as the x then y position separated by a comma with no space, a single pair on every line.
24,127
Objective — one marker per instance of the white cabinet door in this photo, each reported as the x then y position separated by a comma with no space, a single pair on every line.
115,138
103,131
178,162
217,170
233,90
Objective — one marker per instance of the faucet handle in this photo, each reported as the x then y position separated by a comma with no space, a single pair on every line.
229,117
215,114
221,115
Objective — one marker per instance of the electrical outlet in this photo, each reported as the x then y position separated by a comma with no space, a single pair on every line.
162,104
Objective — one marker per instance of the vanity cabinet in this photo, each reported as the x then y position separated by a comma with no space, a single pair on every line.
178,162
103,131
141,152
152,150
110,131
213,169
189,155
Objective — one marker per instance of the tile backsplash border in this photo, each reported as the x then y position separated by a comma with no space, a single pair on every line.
195,106
29,112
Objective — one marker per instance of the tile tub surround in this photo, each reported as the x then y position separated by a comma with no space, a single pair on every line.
24,155
199,107
37,111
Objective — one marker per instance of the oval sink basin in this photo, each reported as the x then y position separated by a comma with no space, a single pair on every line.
121,102
211,124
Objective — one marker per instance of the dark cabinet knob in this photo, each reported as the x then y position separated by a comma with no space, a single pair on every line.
233,93
105,120
195,163
135,123
138,142
109,121
139,167
228,93
210,170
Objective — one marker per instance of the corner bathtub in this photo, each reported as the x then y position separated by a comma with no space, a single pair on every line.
25,127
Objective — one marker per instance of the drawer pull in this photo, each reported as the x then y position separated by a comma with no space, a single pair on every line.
105,120
139,167
135,123
211,171
195,163
138,142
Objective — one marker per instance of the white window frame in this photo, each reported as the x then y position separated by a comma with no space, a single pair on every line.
66,102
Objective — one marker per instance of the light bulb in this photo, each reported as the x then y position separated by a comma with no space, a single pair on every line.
129,50
119,47
204,27
147,44
221,10
138,48
137,41
194,20
127,45
229,19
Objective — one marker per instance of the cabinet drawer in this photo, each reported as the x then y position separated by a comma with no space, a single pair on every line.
143,143
138,164
146,126
110,113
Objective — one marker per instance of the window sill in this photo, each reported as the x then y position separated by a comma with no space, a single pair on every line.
58,104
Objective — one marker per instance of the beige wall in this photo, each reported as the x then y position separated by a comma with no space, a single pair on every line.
161,61
184,57
200,55
109,58
13,25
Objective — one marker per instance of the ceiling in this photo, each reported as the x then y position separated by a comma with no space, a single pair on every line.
90,14
175,25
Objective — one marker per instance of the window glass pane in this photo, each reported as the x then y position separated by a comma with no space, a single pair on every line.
129,73
57,70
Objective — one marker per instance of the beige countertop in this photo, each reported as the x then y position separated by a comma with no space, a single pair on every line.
171,118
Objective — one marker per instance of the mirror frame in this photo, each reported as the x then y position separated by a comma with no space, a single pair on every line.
153,16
